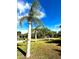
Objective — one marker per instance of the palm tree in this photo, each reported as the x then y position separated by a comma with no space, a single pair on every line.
36,30
31,18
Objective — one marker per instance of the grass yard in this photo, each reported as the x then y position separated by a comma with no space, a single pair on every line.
40,50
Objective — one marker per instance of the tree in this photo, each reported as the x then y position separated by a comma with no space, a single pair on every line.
59,33
45,31
36,30
18,34
25,35
31,18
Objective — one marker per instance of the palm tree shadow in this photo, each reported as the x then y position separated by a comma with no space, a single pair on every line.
58,51
55,41
21,51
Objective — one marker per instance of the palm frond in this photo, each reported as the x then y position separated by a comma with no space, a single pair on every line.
22,19
37,21
37,27
34,7
35,4
36,13
32,14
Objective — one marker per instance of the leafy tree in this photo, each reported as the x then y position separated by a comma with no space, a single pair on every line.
45,32
18,34
42,32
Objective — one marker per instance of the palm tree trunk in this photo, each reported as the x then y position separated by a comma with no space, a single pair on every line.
28,41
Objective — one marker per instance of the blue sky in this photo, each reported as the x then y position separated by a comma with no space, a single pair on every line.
50,13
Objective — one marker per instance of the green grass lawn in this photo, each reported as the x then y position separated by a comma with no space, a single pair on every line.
41,50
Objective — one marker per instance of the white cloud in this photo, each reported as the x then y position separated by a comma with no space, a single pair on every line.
57,25
22,6
55,28
42,14
23,31
22,15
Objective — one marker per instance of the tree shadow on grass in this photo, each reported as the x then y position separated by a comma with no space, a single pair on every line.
58,51
21,51
55,41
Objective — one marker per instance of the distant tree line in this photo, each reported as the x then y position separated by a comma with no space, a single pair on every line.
41,33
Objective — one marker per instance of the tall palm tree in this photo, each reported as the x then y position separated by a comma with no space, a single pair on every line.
31,18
